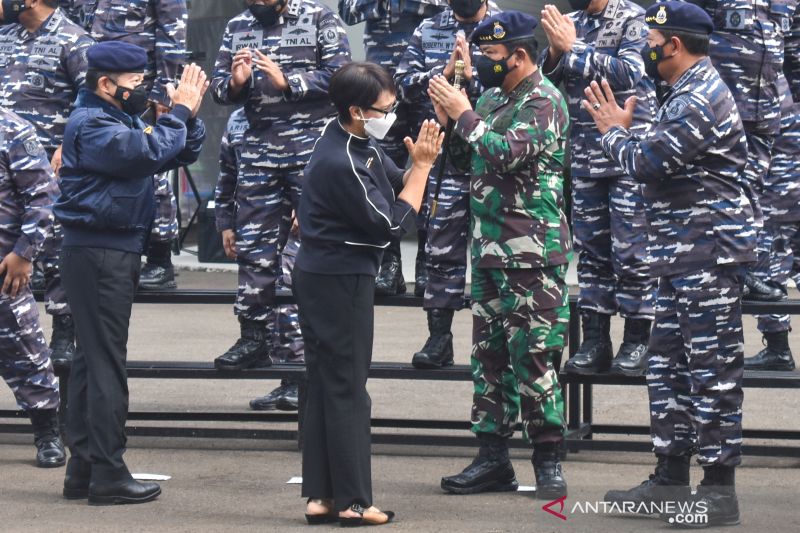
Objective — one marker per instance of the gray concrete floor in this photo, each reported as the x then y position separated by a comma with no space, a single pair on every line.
241,485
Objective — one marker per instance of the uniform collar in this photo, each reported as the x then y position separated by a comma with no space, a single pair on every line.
449,19
50,25
526,86
689,75
609,12
87,98
292,13
337,127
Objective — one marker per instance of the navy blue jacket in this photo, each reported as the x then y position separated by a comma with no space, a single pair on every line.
109,158
348,211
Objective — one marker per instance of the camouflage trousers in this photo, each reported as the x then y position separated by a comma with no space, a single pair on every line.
165,224
24,355
520,319
696,363
759,155
264,201
610,236
55,297
446,245
781,261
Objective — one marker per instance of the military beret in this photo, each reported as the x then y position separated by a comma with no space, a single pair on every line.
504,27
679,16
116,56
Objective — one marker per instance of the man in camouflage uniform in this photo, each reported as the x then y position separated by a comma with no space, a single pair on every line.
158,26
388,30
276,60
433,49
27,191
701,234
603,39
747,50
780,199
42,66
283,334
513,146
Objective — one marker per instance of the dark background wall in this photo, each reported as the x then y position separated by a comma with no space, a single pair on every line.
207,20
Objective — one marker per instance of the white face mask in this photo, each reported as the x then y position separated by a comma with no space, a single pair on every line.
379,127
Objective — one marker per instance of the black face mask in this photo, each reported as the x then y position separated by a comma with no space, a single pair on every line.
651,57
579,5
12,10
466,9
492,73
267,15
134,101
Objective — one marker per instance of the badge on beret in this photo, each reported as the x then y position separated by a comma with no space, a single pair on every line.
33,148
661,16
498,32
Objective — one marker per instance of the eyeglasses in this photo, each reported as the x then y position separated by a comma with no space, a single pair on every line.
385,112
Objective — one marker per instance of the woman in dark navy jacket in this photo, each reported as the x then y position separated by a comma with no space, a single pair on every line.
355,200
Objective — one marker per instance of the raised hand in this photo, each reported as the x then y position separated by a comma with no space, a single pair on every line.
190,91
429,142
271,69
241,69
603,107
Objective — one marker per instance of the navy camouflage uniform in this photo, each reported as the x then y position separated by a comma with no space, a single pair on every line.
287,339
700,231
158,26
309,44
27,191
428,53
40,74
608,220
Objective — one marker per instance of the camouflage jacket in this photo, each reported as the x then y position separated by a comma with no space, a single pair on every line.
389,25
747,50
513,146
158,26
427,54
609,46
309,44
691,163
27,189
41,72
230,153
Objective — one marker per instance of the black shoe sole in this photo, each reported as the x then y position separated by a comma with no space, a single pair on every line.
359,521
581,371
122,500
258,364
286,406
551,495
256,407
489,486
771,367
160,287
51,465
425,365
760,298
319,519
75,494
617,371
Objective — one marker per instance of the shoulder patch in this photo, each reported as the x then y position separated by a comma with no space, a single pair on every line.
330,35
636,30
676,107
33,147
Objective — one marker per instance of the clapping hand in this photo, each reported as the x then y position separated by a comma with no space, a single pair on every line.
193,86
429,142
603,107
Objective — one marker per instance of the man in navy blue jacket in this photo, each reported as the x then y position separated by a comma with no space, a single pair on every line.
106,208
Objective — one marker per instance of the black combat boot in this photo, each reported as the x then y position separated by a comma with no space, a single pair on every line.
631,359
761,291
550,483
438,349
49,448
390,279
669,483
284,398
62,343
594,354
776,355
77,478
714,505
158,272
420,269
251,350
490,471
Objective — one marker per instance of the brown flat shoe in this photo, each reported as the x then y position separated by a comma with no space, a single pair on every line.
367,517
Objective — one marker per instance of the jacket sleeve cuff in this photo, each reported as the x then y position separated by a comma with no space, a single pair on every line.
25,249
467,123
612,138
182,113
297,87
224,220
407,214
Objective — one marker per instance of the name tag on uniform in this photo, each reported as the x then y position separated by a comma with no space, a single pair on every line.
46,49
437,40
7,49
738,19
300,33
248,39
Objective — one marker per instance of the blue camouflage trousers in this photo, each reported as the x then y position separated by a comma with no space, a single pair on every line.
165,224
610,236
446,245
264,202
24,355
781,261
696,363
55,297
